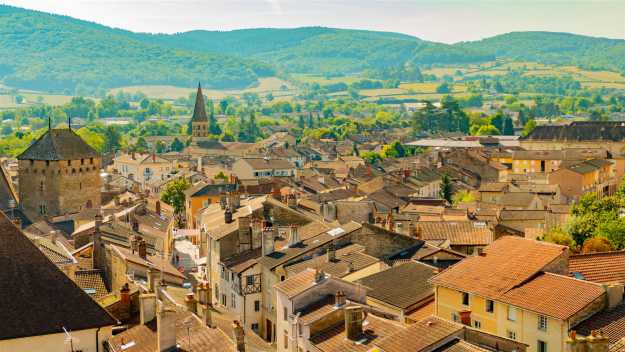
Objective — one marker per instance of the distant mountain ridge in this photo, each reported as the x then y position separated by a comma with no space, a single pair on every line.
42,51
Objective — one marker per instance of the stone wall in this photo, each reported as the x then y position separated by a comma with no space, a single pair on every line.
63,187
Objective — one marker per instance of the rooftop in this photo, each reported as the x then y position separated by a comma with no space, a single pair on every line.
603,268
59,144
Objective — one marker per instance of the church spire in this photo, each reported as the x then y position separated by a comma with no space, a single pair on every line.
199,111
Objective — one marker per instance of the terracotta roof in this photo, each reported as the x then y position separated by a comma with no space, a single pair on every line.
493,186
297,284
553,295
92,282
199,110
152,261
348,260
422,312
618,346
401,286
420,336
59,144
375,329
610,321
457,232
462,346
36,298
604,268
191,337
262,163
580,131
503,265
242,261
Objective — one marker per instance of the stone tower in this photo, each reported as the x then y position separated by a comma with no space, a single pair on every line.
58,174
199,120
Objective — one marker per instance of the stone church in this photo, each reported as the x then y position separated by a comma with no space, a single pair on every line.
58,174
199,120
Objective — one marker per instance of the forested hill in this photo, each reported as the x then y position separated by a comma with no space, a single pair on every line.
322,50
48,52
555,48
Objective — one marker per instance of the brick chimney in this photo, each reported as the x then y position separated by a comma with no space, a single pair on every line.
190,302
166,327
158,207
575,343
340,299
143,249
228,216
124,300
152,280
239,336
353,322
597,342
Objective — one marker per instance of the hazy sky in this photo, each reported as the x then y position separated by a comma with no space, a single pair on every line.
437,20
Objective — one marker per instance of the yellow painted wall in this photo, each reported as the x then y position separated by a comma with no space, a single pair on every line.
195,204
525,326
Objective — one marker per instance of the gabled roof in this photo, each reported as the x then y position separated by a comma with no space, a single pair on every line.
505,264
59,144
36,298
457,232
421,336
266,163
580,131
401,286
610,321
199,110
603,268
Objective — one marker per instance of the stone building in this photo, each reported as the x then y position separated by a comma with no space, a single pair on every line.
199,120
59,174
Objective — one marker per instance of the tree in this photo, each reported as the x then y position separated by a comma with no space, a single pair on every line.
443,88
529,127
112,139
446,191
213,126
221,176
597,245
557,235
160,147
177,145
141,145
508,128
463,196
174,194
487,130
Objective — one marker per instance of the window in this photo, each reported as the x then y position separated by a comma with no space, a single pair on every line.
477,324
216,291
490,306
43,209
511,335
224,300
511,313
234,300
250,280
282,277
286,340
257,306
465,299
285,314
542,346
255,327
542,323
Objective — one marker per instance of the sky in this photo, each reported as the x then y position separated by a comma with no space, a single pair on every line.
446,21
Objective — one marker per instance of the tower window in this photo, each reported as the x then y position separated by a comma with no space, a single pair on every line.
91,160
69,163
41,186
82,161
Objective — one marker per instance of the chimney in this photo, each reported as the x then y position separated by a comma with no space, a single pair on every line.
575,343
245,234
257,233
228,216
239,336
124,299
158,207
353,322
268,241
614,293
147,307
293,235
98,222
331,252
291,200
203,293
597,342
166,327
223,202
53,236
319,276
340,299
152,280
132,155
206,314
411,229
143,250
190,302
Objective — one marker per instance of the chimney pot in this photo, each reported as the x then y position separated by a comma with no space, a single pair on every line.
353,322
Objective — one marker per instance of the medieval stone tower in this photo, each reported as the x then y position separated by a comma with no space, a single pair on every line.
199,120
58,174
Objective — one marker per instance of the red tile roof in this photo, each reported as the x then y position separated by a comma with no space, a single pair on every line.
608,267
420,336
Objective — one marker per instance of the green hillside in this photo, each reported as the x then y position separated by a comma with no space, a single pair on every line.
555,48
322,50
48,52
